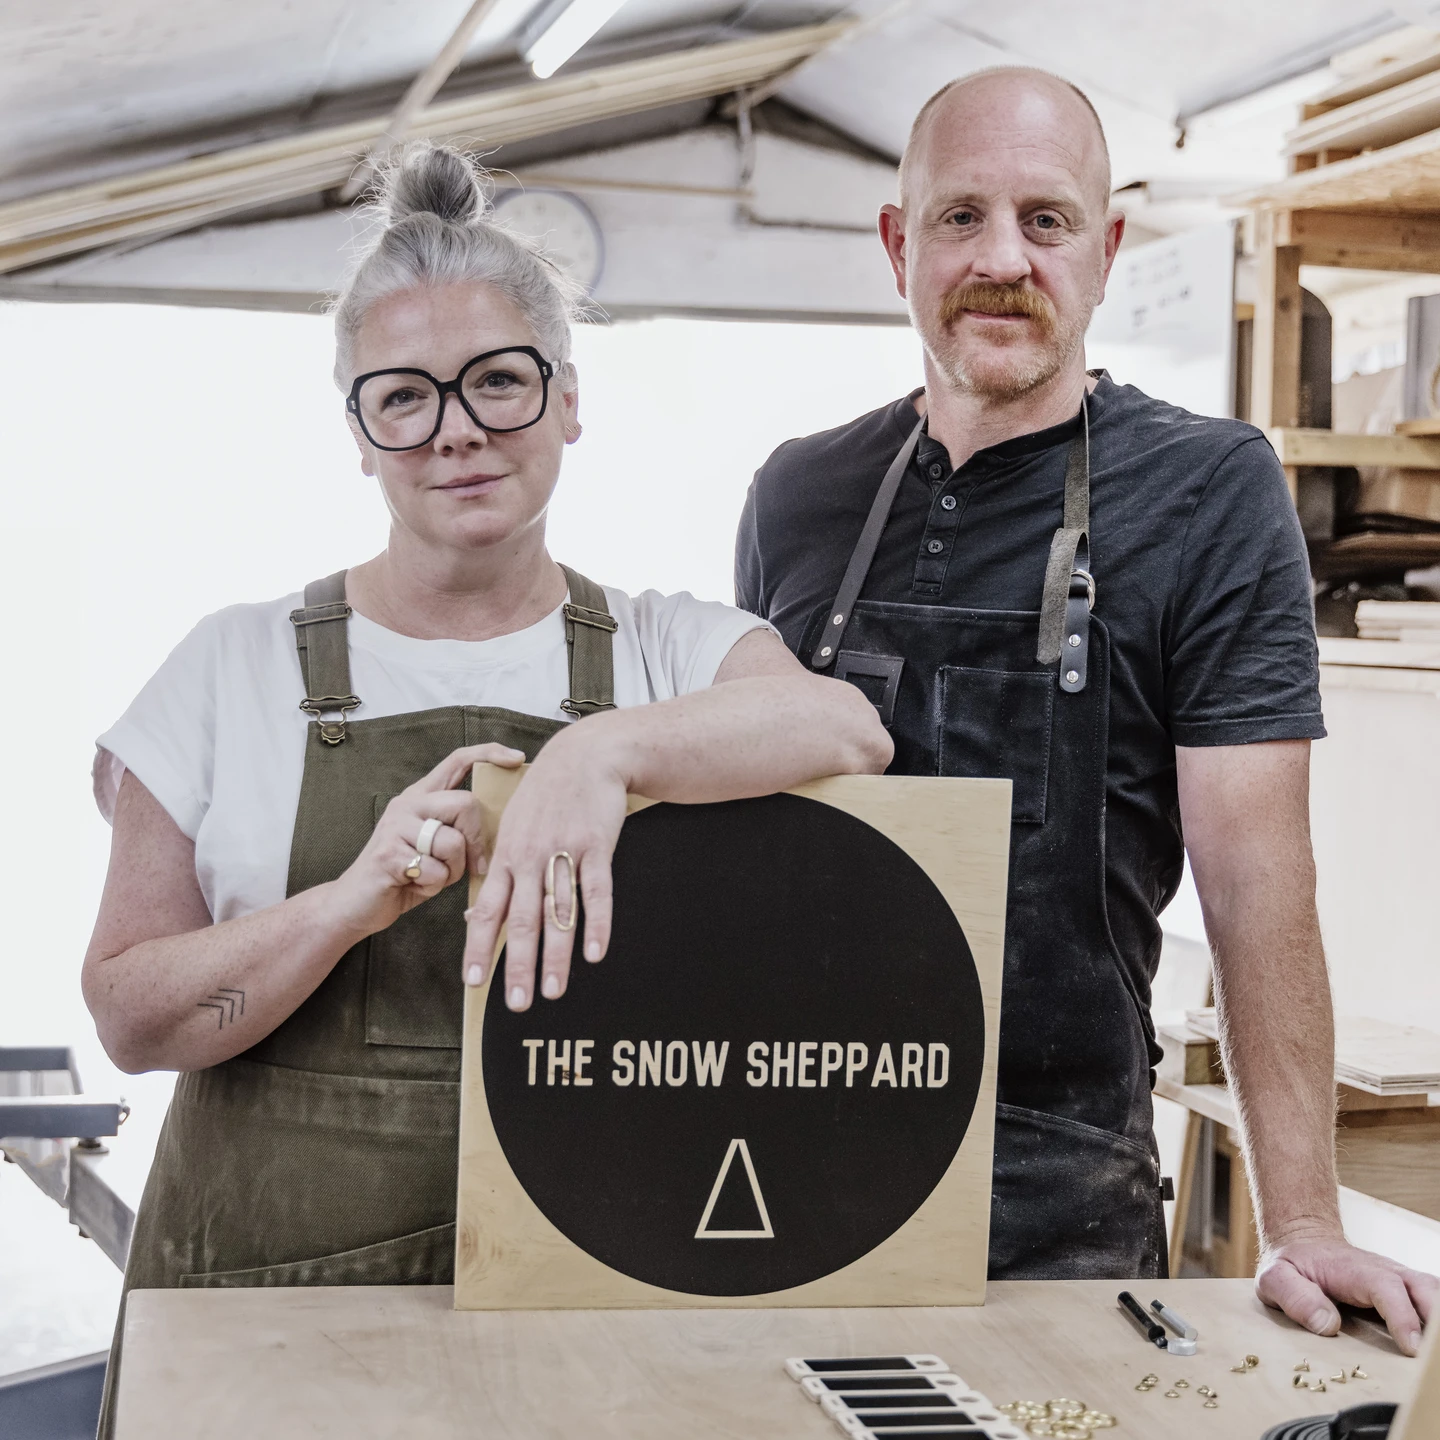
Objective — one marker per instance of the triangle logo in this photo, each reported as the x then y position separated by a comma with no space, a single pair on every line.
763,1231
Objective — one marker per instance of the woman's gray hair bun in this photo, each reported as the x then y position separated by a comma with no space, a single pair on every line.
436,227
434,180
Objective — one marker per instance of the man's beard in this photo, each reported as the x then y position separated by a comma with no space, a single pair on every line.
994,374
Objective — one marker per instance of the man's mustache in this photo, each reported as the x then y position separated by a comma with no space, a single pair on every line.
990,299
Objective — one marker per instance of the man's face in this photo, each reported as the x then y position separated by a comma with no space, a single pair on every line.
1003,246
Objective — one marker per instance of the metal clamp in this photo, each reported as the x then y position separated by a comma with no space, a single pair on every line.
332,732
598,619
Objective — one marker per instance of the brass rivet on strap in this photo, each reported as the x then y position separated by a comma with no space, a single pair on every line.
1072,676
825,650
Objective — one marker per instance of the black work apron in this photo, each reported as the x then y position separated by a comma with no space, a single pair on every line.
327,1154
974,692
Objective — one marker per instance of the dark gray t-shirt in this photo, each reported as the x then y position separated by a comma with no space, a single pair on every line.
1200,568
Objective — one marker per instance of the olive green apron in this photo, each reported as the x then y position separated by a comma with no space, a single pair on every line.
326,1154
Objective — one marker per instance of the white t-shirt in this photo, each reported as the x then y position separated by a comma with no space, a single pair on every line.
217,735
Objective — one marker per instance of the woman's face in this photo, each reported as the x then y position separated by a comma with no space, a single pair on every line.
468,488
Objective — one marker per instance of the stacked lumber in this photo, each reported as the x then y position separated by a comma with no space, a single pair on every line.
1392,98
172,198
1375,1056
1415,621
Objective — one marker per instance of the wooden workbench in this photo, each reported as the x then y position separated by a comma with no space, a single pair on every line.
398,1361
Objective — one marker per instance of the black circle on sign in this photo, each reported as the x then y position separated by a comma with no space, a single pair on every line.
778,922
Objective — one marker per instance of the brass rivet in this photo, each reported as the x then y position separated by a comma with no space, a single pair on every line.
1358,1374
1172,1394
1303,1368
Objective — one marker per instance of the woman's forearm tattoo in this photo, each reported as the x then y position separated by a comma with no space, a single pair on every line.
229,1003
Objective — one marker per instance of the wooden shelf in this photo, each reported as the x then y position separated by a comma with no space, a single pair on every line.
1329,447
1401,179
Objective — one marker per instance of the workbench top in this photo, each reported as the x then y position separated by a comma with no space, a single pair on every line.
398,1361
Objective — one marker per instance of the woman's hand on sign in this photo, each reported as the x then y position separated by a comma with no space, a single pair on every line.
571,802
375,891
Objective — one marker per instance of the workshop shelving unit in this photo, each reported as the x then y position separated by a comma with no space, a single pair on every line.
1363,194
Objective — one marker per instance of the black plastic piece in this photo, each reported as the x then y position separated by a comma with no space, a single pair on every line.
1359,1422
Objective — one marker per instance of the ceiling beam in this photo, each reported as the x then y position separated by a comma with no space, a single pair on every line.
193,192
423,89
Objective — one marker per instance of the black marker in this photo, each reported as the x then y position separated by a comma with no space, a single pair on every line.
1154,1333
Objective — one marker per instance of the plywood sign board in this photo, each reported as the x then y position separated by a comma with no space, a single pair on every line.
778,1088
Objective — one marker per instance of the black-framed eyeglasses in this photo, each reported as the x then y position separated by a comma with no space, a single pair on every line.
502,391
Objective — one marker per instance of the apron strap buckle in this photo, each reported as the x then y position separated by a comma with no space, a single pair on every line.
584,615
581,708
332,732
1075,646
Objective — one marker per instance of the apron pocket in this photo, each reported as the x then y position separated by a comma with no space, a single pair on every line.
413,991
1072,1201
995,725
424,1258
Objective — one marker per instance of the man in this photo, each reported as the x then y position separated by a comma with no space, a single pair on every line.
945,553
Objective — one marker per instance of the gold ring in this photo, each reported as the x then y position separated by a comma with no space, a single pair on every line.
412,870
551,918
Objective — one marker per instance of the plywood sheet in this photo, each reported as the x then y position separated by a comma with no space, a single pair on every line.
531,1243
1393,619
1376,1056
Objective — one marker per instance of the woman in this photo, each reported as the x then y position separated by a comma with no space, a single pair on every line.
282,920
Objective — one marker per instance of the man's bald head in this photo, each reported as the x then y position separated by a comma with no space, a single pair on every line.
1022,92
1003,238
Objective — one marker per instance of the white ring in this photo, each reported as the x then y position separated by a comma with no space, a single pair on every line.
426,838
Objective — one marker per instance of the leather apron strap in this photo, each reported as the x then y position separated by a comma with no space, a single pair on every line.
589,637
828,646
322,641
1069,593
